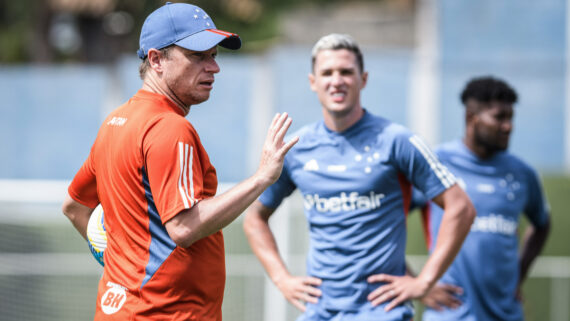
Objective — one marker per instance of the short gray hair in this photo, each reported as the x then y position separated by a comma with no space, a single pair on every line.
145,65
336,41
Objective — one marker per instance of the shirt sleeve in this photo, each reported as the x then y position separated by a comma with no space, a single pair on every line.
176,166
83,187
421,166
537,208
278,191
419,200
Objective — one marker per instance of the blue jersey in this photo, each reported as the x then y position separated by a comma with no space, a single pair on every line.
356,188
501,188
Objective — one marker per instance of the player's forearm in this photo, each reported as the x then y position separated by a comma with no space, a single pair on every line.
534,241
263,244
456,223
211,215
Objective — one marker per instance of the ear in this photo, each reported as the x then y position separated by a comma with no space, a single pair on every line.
312,82
155,59
470,114
472,109
364,79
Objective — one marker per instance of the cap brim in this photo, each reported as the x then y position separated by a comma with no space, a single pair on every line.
207,39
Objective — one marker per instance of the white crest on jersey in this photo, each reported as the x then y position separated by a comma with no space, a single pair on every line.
311,165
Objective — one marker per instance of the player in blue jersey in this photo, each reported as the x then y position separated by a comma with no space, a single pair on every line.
488,268
355,171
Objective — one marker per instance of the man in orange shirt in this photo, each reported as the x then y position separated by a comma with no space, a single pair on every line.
165,252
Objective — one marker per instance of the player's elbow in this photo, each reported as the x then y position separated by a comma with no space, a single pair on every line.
180,233
249,222
255,218
181,236
458,206
467,211
69,209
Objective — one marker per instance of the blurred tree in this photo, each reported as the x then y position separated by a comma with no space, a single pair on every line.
100,31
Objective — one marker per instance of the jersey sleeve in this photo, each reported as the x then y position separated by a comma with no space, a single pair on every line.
537,208
83,187
418,200
278,191
173,165
421,166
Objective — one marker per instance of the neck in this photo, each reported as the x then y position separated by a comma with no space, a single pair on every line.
154,85
340,122
481,151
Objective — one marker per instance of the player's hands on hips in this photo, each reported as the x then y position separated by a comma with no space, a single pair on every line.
396,288
274,149
442,295
299,290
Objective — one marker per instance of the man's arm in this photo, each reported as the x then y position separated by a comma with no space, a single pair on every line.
458,216
533,242
211,215
78,214
262,242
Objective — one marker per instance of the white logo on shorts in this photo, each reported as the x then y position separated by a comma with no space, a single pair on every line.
113,299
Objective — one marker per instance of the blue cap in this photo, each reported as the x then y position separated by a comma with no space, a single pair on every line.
184,25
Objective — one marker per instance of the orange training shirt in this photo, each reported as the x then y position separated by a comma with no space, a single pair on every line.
147,164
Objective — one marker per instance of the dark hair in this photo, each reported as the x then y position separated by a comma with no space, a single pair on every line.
487,89
143,67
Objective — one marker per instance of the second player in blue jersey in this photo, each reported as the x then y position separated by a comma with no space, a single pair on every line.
355,172
488,268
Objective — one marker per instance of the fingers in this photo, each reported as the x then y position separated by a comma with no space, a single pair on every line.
443,295
452,289
382,294
395,302
306,297
277,124
310,289
312,281
381,278
388,294
290,144
277,131
396,290
283,125
301,290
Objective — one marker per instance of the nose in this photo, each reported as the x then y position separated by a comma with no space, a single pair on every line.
337,79
212,66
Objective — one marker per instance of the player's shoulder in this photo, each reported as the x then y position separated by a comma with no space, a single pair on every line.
449,149
310,136
170,121
514,162
384,128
